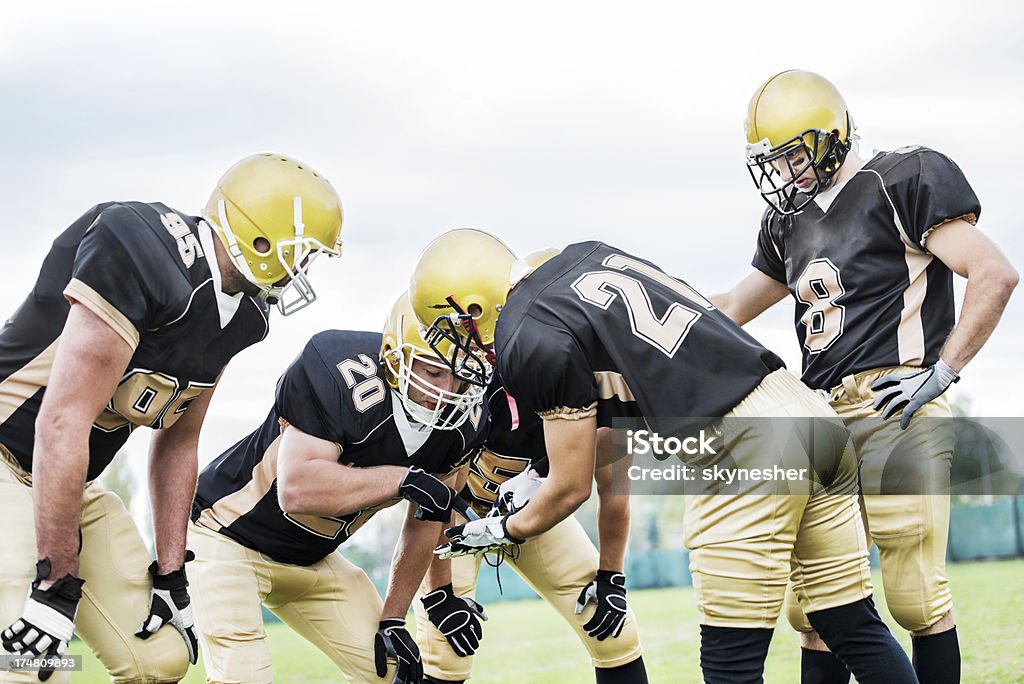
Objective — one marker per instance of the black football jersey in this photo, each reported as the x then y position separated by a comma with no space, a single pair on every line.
335,390
150,273
514,441
868,293
597,331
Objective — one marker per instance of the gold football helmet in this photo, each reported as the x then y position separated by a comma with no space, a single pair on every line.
275,215
437,408
457,290
799,121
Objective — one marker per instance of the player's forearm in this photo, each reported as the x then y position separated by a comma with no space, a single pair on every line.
988,291
439,573
413,555
59,464
554,502
318,487
613,529
172,486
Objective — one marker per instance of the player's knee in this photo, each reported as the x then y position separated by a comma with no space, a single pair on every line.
918,616
615,651
152,666
797,619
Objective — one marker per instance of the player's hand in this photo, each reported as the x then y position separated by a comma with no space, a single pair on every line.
516,492
393,642
457,618
47,621
912,390
477,536
608,591
433,497
169,603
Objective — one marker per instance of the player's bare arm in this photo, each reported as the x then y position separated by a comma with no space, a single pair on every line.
173,469
312,482
412,557
571,449
88,365
751,297
990,281
612,507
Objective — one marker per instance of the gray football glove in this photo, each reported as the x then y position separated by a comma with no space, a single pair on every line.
911,391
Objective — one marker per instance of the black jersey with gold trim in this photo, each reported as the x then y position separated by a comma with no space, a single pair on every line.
145,270
514,441
868,293
336,391
595,331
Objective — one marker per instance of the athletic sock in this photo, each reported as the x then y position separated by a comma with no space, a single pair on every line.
733,655
937,658
862,642
822,667
633,672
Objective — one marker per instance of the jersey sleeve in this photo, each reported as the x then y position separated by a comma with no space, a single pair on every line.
928,189
546,372
311,397
107,279
768,255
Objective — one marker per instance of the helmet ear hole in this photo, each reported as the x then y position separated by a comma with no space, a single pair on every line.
261,245
474,310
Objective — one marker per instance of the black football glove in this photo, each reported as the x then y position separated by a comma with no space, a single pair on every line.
911,391
457,618
608,591
433,497
169,603
47,621
393,642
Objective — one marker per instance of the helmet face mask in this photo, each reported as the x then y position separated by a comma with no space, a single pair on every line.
403,351
821,153
455,340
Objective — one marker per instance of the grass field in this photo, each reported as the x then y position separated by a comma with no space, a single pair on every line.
524,642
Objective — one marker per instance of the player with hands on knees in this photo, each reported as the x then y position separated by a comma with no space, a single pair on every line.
105,343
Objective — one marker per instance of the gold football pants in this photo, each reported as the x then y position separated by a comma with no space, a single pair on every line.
114,563
911,528
557,565
332,604
746,548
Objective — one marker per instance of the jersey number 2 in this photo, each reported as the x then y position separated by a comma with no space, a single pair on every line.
818,287
665,333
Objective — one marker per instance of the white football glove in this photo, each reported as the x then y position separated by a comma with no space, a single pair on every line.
515,492
476,537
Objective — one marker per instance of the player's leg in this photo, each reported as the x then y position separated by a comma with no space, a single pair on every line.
228,583
114,563
333,605
18,569
559,564
904,476
440,662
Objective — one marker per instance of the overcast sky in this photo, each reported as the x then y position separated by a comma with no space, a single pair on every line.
544,122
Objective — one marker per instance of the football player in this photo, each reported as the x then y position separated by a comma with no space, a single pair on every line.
594,334
868,249
562,564
360,421
107,341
